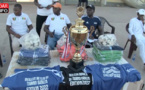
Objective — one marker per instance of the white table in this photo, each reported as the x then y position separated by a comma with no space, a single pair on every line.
53,62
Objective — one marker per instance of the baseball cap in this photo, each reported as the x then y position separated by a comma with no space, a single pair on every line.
57,5
141,12
91,6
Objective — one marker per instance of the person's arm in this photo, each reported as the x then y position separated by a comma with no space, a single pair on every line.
8,28
69,25
100,30
37,4
49,6
67,20
99,27
30,27
46,29
130,30
29,23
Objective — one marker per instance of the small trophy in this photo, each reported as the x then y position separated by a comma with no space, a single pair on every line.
78,35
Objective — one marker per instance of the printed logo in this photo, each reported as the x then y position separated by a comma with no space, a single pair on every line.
52,19
14,19
62,18
4,7
23,18
111,72
87,22
95,22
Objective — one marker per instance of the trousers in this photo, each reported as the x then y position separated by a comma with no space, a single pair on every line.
52,41
140,42
39,22
15,43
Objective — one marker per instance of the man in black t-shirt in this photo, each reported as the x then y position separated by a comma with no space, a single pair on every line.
92,21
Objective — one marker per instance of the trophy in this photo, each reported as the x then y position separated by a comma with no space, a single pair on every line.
78,35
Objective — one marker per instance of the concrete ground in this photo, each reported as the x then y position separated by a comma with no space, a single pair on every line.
117,16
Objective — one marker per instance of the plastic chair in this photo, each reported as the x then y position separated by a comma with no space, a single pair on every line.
103,22
10,40
133,46
1,63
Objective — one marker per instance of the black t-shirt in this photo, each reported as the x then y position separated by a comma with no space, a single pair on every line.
75,80
95,21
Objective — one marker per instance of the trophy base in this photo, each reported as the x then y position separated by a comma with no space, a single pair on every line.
76,66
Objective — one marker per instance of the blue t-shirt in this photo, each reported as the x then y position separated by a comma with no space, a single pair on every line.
95,21
52,68
34,79
112,77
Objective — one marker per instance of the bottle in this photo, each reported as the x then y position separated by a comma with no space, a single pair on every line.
4,59
133,58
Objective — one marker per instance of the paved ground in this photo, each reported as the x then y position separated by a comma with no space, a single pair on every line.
117,16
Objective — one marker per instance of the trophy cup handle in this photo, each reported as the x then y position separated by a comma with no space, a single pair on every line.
65,30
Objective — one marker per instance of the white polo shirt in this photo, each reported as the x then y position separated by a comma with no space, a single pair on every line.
44,11
57,22
19,23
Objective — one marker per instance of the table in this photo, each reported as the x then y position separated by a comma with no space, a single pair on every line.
53,62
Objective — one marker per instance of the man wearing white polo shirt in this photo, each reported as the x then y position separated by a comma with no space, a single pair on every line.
43,10
18,24
136,30
54,25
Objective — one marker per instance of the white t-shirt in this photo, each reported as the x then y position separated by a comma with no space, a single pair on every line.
136,27
19,23
57,22
44,11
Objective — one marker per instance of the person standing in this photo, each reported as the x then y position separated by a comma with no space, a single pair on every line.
18,24
54,25
137,30
80,2
43,10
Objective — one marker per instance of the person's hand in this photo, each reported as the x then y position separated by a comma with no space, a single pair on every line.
39,6
51,34
91,37
133,38
17,35
48,7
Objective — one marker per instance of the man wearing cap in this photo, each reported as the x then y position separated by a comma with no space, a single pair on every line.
136,30
91,21
43,10
54,25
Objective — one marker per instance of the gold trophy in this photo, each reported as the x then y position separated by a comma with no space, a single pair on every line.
78,35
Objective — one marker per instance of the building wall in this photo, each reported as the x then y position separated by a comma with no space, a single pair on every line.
115,1
25,0
106,1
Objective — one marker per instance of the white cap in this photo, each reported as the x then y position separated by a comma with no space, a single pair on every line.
141,12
